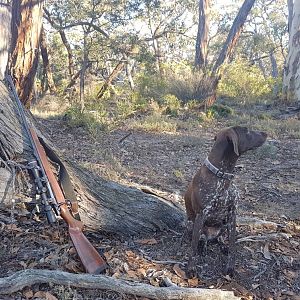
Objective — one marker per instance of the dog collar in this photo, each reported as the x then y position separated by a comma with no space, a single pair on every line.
217,171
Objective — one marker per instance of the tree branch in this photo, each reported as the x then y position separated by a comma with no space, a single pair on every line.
21,279
47,16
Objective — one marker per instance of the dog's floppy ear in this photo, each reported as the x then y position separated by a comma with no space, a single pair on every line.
232,135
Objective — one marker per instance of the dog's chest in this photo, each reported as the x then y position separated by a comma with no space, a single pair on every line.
219,202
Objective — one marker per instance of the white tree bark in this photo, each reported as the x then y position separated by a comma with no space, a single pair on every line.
291,80
5,36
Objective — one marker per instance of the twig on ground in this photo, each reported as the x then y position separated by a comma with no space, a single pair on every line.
263,238
261,272
125,137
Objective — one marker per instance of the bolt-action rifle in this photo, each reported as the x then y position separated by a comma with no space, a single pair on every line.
53,199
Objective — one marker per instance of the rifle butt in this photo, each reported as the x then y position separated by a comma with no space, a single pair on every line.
89,256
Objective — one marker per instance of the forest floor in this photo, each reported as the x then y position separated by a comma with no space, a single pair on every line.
268,253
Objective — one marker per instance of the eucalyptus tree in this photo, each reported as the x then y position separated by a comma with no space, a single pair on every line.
164,22
94,35
265,38
47,72
202,35
26,27
291,82
227,49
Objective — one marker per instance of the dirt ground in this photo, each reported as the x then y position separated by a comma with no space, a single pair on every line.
268,259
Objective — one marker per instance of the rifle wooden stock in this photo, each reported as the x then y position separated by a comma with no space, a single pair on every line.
90,258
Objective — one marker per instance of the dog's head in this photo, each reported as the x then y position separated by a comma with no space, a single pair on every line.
240,139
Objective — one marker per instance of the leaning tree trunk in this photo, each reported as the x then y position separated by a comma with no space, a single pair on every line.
67,45
228,47
26,29
233,36
118,68
202,35
71,64
103,205
46,63
291,82
75,77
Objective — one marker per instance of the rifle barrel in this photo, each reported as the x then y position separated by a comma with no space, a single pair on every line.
90,258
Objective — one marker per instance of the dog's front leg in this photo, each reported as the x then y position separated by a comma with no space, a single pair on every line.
187,234
231,228
197,230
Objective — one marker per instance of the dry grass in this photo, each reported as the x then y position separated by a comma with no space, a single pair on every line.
50,106
155,123
276,128
189,85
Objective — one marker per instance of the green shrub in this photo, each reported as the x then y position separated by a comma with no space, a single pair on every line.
151,86
180,81
188,85
125,108
246,83
171,105
155,123
92,120
220,110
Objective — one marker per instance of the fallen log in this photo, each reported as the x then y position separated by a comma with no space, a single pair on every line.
103,205
21,279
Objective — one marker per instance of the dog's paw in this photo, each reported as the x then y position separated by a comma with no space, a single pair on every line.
191,273
191,270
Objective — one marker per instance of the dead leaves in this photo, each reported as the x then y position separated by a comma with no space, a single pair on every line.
147,241
135,266
179,272
43,295
193,282
13,227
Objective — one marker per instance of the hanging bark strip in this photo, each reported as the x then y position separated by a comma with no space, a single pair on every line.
26,30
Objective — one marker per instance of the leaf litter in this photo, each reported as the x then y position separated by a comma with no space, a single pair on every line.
269,188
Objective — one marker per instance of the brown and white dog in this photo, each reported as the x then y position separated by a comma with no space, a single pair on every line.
210,201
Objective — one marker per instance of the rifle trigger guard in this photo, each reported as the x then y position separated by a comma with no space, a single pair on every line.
67,202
